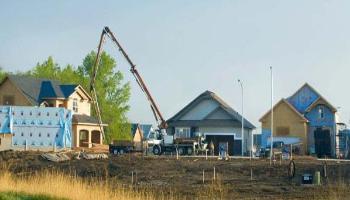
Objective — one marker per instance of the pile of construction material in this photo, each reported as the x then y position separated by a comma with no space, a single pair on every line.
55,157
63,156
91,156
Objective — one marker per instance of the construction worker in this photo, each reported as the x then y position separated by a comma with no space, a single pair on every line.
211,148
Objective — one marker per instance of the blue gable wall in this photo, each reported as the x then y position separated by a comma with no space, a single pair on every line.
303,98
315,120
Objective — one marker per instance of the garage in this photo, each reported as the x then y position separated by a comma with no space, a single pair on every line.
225,141
322,142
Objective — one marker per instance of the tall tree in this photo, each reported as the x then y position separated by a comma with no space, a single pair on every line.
48,69
113,95
2,74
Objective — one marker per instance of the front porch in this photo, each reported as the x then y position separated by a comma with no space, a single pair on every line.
86,135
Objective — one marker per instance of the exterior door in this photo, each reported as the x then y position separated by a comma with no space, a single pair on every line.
322,142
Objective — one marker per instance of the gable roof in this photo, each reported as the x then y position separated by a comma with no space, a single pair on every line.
222,104
144,128
284,101
320,97
38,89
321,100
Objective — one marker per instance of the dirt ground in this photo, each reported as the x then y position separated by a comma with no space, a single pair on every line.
184,177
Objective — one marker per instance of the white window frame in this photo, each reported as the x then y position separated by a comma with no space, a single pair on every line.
182,132
321,112
75,105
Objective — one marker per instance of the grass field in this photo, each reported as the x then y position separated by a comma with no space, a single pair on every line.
166,177
56,185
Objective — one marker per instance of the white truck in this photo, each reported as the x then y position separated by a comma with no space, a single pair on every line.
183,146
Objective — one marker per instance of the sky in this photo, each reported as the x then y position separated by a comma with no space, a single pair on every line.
183,48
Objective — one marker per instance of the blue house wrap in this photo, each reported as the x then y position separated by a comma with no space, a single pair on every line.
39,127
303,98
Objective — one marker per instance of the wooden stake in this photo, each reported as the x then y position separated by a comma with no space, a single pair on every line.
177,154
251,173
214,174
203,178
132,177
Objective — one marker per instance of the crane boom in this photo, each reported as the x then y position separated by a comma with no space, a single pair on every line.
155,110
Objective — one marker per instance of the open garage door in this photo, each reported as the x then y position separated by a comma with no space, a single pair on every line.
322,142
234,146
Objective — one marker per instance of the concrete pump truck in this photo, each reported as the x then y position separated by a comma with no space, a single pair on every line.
163,142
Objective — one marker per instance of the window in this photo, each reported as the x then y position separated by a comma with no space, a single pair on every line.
75,105
8,100
282,131
48,134
321,112
182,132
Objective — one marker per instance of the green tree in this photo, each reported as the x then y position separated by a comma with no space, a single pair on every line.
2,74
48,69
113,95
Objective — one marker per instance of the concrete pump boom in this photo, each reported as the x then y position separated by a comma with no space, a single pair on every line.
155,110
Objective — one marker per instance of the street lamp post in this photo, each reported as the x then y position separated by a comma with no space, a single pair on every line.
271,140
242,130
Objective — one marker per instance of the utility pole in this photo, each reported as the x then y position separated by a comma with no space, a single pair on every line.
242,136
271,148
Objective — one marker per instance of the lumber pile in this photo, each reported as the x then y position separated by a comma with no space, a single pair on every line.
55,157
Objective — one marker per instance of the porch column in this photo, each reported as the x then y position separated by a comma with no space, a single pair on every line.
89,139
76,133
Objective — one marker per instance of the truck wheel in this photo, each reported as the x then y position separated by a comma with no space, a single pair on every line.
156,150
181,151
189,151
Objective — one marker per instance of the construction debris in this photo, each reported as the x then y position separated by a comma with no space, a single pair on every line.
91,156
55,157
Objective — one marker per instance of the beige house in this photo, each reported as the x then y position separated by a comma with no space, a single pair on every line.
26,91
288,122
137,137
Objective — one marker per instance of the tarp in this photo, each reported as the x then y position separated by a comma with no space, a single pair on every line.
37,126
266,139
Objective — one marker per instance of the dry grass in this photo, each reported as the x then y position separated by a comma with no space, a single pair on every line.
59,185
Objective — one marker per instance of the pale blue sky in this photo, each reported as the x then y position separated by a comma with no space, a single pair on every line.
183,48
